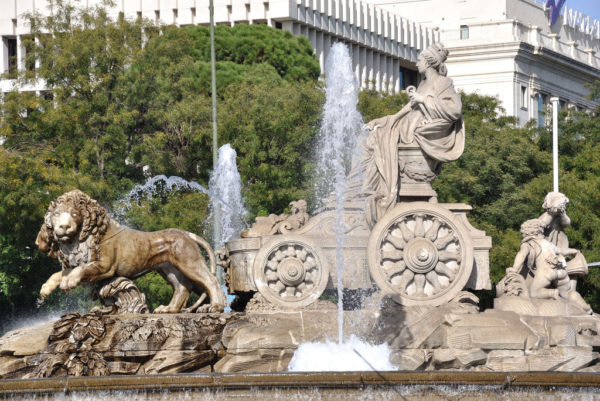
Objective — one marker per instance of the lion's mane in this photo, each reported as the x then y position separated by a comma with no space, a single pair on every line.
95,222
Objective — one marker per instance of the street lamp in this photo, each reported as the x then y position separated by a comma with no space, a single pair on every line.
554,101
213,79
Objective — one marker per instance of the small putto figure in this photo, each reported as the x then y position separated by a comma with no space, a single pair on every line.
540,269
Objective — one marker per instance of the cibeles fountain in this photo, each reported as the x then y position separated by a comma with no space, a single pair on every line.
377,279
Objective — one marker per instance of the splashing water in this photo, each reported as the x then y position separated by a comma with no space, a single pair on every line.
340,129
154,187
225,193
226,200
352,355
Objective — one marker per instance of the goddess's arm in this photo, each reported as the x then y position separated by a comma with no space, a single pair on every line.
383,121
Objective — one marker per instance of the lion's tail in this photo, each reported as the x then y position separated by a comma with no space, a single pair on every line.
211,254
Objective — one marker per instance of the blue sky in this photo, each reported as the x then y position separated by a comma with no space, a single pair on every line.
587,7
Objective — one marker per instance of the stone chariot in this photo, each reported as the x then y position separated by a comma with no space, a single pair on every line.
421,251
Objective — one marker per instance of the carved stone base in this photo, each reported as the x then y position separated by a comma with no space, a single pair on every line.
103,344
538,307
456,336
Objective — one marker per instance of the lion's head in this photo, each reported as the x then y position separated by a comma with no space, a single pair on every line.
555,203
73,216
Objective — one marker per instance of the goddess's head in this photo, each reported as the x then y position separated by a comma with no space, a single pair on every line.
433,57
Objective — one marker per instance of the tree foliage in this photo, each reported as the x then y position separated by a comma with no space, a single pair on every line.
127,94
26,188
117,106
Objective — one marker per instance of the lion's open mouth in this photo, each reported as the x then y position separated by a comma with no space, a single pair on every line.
64,238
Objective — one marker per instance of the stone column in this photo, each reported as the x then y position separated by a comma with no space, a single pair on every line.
573,46
555,37
590,57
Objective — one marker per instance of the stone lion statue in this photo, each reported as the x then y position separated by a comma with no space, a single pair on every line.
90,246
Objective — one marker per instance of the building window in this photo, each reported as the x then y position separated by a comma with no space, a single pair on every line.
28,46
524,99
47,95
278,25
464,32
542,101
11,52
408,78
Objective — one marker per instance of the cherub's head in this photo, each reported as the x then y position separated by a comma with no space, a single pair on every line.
298,206
555,203
532,228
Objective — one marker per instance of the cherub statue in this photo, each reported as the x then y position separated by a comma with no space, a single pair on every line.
555,220
279,224
543,267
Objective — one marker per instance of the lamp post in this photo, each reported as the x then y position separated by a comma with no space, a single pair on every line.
554,101
213,78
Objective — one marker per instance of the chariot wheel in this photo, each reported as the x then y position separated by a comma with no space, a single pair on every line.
290,271
421,253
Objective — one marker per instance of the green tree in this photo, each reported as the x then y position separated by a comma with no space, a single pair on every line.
269,115
372,104
272,124
115,106
83,55
27,186
291,56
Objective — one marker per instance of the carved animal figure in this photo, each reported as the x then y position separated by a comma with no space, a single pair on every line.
279,224
90,246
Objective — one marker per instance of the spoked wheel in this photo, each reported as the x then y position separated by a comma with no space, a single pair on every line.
290,272
421,253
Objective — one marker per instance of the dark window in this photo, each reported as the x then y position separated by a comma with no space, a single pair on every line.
524,98
28,45
47,95
562,104
408,78
541,101
11,44
278,25
464,32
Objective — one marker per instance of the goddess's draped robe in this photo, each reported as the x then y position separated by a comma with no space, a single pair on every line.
439,132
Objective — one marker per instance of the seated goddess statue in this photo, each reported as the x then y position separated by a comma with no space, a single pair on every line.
431,121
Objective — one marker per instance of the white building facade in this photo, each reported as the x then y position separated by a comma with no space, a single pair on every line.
509,49
383,45
505,48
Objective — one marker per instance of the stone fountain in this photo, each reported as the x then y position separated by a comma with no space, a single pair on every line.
411,260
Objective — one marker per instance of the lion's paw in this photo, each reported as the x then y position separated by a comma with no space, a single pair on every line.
165,309
45,291
210,308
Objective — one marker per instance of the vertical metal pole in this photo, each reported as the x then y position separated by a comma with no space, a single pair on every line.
554,101
213,78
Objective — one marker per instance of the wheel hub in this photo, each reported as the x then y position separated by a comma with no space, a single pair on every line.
291,271
420,255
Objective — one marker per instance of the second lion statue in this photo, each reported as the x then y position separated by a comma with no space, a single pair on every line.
90,247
